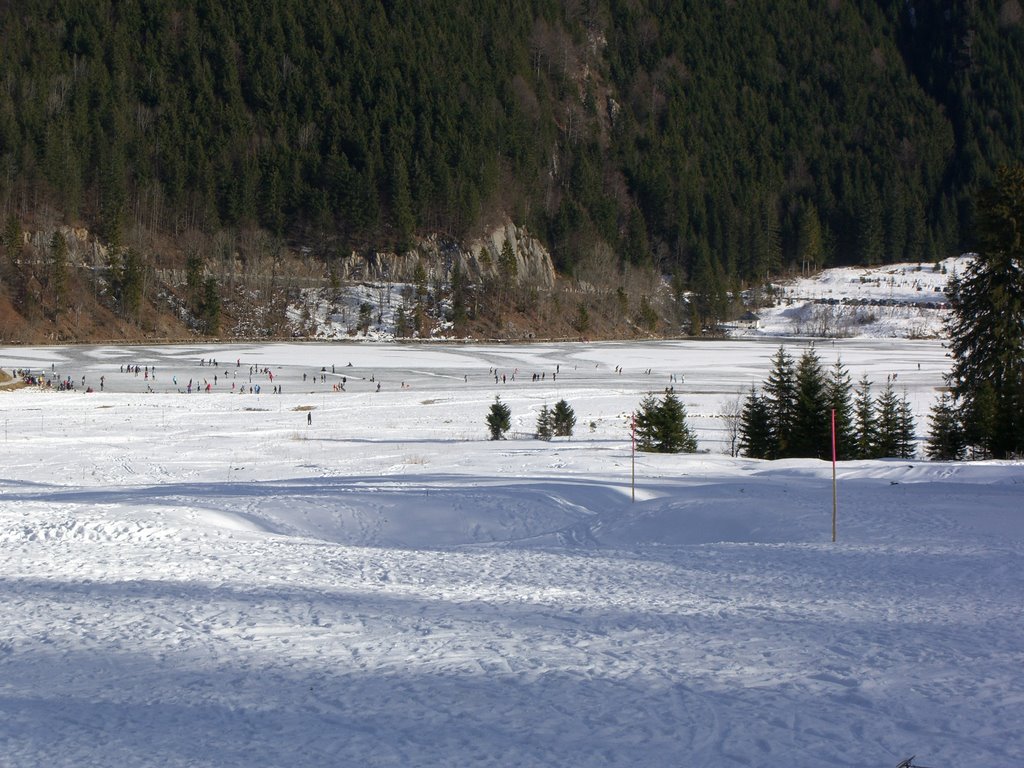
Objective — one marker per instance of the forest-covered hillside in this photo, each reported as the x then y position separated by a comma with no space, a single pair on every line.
726,138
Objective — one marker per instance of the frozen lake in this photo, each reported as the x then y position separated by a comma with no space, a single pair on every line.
322,577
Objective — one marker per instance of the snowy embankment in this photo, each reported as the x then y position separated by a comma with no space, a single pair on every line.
892,301
210,580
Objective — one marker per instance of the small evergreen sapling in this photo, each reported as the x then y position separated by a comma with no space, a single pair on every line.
544,423
662,428
644,424
499,420
946,441
563,419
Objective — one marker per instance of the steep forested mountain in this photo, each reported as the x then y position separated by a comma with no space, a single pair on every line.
726,138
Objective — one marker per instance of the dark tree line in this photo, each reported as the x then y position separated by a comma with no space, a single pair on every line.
791,416
718,141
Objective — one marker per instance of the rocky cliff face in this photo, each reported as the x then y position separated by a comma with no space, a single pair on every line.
477,260
83,248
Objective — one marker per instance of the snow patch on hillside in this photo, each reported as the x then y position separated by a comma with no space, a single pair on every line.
892,301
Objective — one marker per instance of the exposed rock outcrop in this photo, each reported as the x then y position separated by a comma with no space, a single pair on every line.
84,249
477,260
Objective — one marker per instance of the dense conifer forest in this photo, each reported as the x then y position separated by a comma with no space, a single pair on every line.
715,141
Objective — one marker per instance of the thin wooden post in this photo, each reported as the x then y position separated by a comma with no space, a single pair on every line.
633,462
833,474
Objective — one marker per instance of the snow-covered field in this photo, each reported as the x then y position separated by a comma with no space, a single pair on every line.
360,578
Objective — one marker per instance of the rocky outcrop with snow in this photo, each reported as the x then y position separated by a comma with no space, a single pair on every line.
477,260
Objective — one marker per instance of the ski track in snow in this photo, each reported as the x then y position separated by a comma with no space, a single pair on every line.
205,580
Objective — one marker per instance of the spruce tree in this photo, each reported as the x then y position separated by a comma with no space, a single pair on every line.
645,424
979,420
887,417
59,269
755,427
906,429
563,419
838,395
674,434
211,306
459,289
946,440
811,424
194,277
662,428
126,273
780,392
544,426
866,439
810,243
986,325
499,419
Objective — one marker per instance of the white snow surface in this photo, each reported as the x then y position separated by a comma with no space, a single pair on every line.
891,301
206,579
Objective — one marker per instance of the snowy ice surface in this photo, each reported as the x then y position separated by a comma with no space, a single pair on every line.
210,580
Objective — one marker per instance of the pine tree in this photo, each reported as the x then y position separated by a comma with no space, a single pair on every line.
674,435
645,424
887,417
545,429
707,296
986,326
810,242
838,395
811,423
401,323
662,428
499,419
401,203
906,435
866,427
980,420
870,235
459,312
946,440
563,419
126,273
211,306
780,392
13,244
194,277
755,427
59,269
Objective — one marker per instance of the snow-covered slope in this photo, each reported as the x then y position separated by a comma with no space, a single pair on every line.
211,580
894,301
